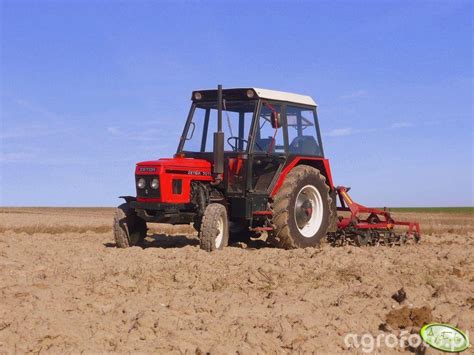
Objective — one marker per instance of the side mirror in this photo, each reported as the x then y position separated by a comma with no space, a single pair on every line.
191,129
276,120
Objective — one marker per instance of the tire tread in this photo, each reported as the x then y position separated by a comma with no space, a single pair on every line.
281,235
125,219
209,229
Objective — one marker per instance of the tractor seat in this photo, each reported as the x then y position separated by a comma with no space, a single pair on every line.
305,145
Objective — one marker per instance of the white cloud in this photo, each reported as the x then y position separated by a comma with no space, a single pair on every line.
343,132
140,134
37,109
401,125
340,132
354,95
113,130
32,158
32,131
19,157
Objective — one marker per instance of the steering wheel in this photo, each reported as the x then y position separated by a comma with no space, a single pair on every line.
236,139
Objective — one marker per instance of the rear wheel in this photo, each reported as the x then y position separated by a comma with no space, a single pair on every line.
301,209
215,228
129,229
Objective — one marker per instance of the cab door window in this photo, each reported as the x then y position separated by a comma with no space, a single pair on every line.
267,138
269,147
302,131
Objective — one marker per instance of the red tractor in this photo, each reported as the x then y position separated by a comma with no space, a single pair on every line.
249,161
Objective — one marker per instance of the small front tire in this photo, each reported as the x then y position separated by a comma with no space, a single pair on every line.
214,233
129,229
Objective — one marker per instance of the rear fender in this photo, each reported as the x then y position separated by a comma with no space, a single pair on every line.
321,164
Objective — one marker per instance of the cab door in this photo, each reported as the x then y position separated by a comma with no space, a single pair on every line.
268,149
237,159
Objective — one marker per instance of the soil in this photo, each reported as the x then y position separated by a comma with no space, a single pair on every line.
406,317
65,287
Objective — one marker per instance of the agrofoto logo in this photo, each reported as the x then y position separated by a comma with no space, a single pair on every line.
439,336
444,337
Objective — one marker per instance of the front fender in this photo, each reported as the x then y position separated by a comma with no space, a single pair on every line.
128,199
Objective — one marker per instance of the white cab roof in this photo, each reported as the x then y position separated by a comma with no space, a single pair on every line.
284,96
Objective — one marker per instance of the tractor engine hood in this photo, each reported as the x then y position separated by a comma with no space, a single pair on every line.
174,176
186,166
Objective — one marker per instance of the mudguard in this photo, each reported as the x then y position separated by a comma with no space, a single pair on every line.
128,199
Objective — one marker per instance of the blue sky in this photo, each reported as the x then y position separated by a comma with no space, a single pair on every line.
89,88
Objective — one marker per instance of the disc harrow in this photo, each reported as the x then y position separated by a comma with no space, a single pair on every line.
378,228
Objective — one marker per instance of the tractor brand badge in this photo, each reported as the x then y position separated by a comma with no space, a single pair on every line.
189,172
198,173
147,169
444,337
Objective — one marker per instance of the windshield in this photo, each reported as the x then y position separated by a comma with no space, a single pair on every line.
236,122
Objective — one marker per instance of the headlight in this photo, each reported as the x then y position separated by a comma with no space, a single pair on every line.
141,183
154,184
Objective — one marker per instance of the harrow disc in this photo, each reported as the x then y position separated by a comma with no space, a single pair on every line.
374,237
402,239
363,239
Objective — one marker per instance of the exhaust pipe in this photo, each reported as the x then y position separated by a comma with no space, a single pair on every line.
218,167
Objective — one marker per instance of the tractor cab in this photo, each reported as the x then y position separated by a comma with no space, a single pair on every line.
251,119
263,130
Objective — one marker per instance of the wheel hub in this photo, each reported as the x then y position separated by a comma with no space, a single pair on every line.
308,211
304,211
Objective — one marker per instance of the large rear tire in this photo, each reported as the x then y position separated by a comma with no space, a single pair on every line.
302,209
129,229
215,228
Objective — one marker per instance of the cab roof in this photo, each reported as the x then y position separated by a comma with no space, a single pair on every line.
285,96
241,93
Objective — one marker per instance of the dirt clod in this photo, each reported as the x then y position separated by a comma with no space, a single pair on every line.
400,295
407,317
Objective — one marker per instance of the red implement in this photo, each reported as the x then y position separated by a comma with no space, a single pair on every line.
377,223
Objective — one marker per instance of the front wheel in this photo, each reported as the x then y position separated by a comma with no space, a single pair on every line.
214,233
302,209
129,229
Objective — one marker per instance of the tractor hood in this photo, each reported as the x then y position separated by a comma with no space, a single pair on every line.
169,165
174,179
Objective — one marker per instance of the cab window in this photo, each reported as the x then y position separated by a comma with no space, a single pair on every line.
236,122
267,138
302,131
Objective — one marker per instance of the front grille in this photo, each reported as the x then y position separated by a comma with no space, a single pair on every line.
147,191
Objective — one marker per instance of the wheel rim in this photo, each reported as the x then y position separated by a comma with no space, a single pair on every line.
220,232
308,211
